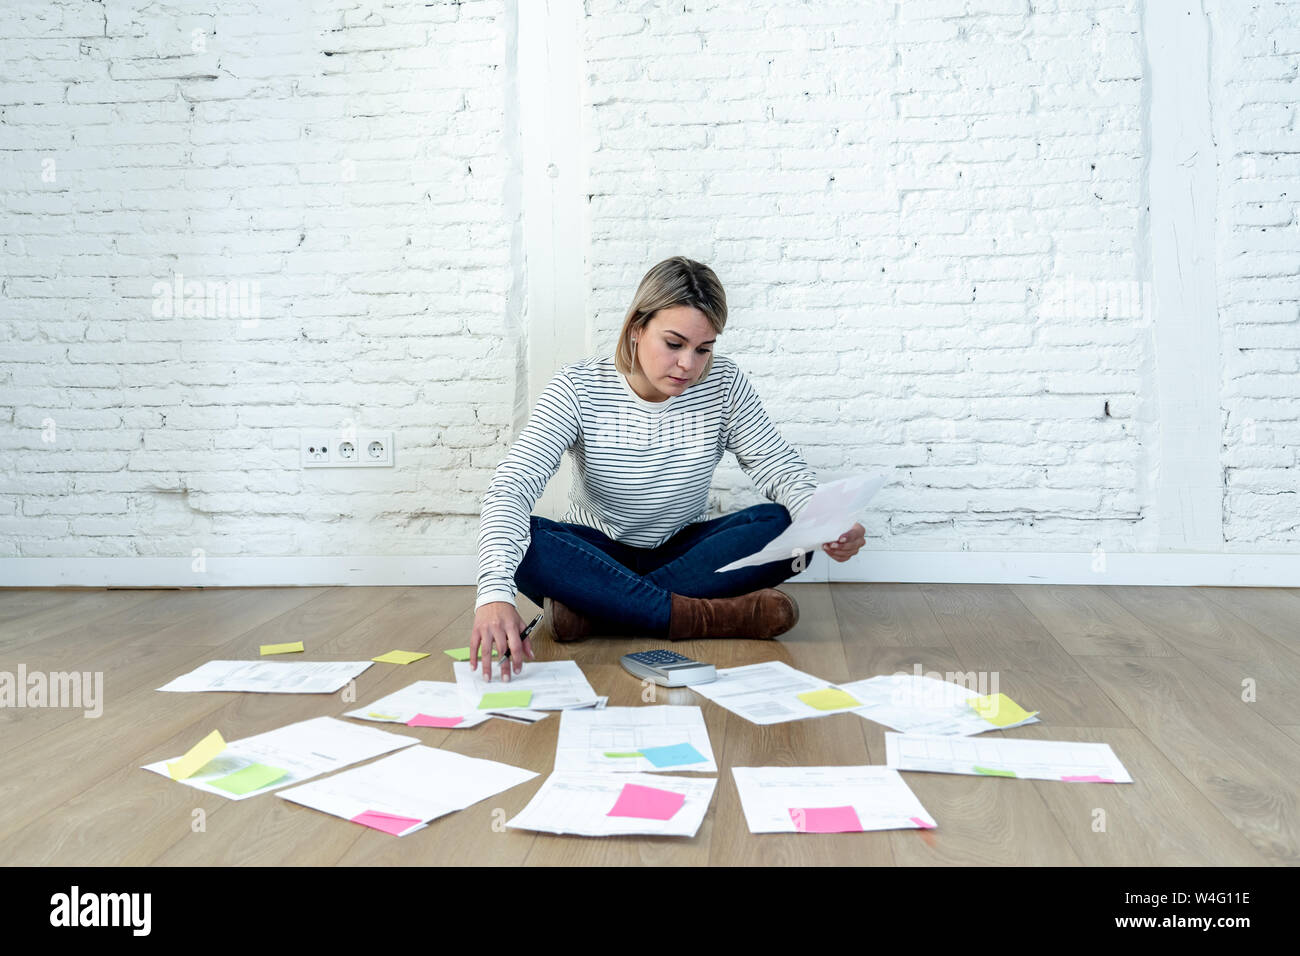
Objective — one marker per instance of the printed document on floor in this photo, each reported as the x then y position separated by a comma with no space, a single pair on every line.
915,704
610,804
441,700
774,692
269,677
827,800
418,784
663,738
554,685
288,755
1062,760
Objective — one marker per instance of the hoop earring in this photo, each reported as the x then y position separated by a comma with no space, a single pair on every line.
634,356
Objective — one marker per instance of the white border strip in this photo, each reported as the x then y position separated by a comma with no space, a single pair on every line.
931,567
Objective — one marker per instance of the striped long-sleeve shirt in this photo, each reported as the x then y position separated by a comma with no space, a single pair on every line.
642,469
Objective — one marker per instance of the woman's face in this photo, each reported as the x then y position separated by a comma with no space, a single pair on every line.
671,352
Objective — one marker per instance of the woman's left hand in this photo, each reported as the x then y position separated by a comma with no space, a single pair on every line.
849,543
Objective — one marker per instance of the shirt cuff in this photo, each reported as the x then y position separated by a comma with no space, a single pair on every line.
487,597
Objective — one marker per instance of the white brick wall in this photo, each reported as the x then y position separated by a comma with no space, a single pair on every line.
885,189
892,195
350,159
1259,272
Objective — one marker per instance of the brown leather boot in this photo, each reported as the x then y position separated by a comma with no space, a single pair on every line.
563,623
760,615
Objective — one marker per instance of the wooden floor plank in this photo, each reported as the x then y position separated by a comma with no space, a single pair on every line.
1009,651
79,608
1086,621
1155,672
145,726
1274,612
16,603
1235,758
1160,819
1226,648
978,824
886,615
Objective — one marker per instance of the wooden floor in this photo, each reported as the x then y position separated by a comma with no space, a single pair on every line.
1155,672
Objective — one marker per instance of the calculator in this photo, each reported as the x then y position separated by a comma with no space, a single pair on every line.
668,668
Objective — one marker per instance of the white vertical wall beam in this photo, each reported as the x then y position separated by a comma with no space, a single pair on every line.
550,101
1182,187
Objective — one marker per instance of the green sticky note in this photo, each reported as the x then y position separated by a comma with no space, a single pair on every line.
253,777
829,698
399,657
999,710
994,773
462,653
617,755
508,698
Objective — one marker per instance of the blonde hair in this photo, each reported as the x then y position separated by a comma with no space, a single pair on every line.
675,281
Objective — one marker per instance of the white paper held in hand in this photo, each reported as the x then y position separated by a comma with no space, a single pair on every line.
834,508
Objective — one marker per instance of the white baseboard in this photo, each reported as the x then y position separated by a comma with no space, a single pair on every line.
937,567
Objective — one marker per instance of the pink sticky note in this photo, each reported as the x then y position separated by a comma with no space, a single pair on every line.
385,821
648,803
1091,778
924,824
826,819
424,720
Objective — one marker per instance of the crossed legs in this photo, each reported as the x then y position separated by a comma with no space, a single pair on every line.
626,589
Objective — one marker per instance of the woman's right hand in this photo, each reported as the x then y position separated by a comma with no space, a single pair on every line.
497,625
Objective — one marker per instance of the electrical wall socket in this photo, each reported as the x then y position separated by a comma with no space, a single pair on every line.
361,449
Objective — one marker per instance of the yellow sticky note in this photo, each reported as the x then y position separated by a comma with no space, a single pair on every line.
375,713
829,698
999,709
399,657
197,756
291,648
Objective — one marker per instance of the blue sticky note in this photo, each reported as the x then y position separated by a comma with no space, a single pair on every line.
673,755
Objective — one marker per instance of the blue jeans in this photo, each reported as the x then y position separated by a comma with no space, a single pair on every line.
627,589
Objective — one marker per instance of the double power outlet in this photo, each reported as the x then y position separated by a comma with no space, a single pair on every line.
346,450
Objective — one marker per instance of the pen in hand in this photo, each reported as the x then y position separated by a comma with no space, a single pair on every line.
526,631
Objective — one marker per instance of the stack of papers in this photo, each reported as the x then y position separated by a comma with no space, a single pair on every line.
269,677
827,800
402,793
1006,757
609,804
269,761
916,704
542,685
634,740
